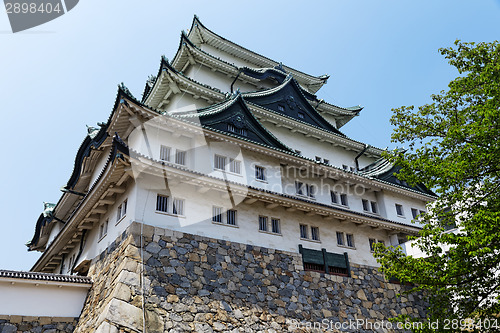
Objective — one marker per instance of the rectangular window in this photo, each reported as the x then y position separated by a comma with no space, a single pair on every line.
231,217
263,223
374,207
121,211
349,240
334,197
414,213
217,214
219,162
311,190
275,226
180,157
303,231
178,207
260,173
234,166
343,199
340,238
234,129
315,233
366,207
345,167
165,153
162,203
299,187
372,244
103,230
318,159
399,210
326,161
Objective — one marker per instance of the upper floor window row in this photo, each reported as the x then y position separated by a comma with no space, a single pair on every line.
369,206
166,155
308,190
220,163
339,198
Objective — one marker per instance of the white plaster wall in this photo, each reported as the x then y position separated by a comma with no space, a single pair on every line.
311,147
28,299
184,102
216,79
99,165
390,200
225,56
93,245
198,216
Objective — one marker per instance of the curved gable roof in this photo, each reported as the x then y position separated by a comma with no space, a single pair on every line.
234,118
289,99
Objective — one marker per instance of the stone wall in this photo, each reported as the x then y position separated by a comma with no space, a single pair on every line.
13,324
193,283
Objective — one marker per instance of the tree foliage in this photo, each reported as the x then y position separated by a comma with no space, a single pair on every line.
454,148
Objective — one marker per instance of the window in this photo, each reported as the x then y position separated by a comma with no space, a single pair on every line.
343,199
162,203
219,162
349,240
180,157
315,233
300,115
234,129
334,196
340,238
217,214
311,191
281,108
414,213
231,217
103,230
260,173
263,223
234,166
318,159
303,231
372,244
299,187
275,226
366,207
165,153
121,211
178,207
399,210
345,167
374,207
326,161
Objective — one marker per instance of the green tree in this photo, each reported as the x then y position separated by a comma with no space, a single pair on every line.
454,148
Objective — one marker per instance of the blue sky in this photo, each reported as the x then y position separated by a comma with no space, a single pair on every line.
58,77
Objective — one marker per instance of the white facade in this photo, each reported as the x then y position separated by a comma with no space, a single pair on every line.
280,182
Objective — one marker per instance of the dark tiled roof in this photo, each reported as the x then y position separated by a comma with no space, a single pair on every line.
45,277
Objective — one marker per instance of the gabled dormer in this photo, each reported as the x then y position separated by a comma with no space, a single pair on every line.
234,118
288,99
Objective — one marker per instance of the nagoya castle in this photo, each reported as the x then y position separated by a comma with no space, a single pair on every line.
225,199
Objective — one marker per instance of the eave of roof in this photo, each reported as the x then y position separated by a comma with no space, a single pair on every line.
50,277
316,81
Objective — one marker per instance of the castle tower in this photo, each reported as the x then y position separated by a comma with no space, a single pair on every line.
228,197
